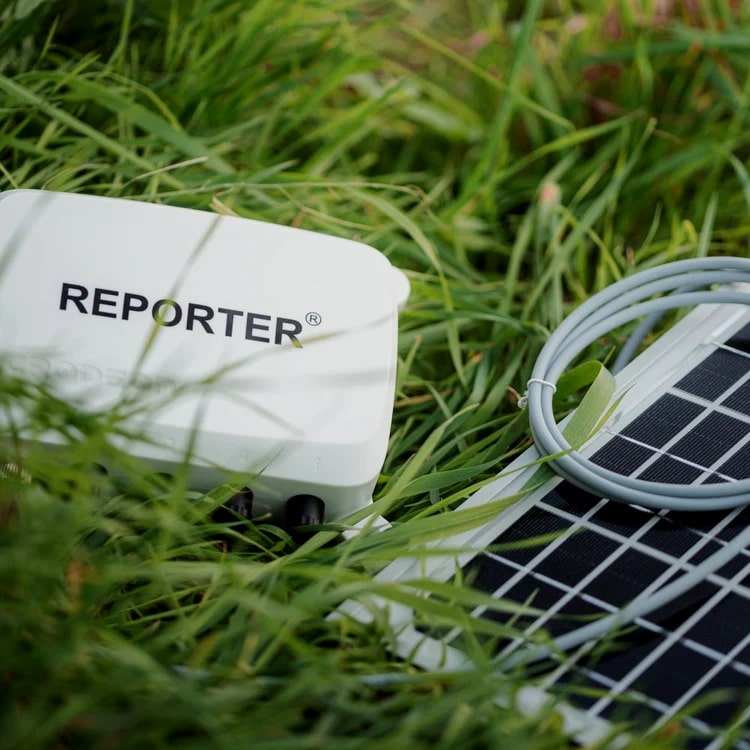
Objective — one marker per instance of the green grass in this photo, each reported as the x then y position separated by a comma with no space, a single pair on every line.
513,157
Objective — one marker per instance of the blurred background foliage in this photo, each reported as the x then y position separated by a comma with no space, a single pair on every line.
512,156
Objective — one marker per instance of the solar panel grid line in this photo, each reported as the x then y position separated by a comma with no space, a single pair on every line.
727,345
442,567
711,412
658,554
661,453
567,593
574,661
654,627
544,551
727,324
572,591
431,654
672,637
675,564
707,730
718,665
706,325
473,541
724,346
657,373
739,399
507,585
428,652
606,607
740,667
721,526
530,455
719,452
644,623
549,548
722,371
634,698
670,416
701,683
713,537
702,320
726,369
719,406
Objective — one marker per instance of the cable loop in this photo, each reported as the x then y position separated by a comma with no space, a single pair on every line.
679,284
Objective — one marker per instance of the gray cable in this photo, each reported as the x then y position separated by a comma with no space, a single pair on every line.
684,283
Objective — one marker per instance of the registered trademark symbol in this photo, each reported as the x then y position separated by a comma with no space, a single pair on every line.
313,319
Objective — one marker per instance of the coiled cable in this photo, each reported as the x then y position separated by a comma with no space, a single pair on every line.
622,302
681,284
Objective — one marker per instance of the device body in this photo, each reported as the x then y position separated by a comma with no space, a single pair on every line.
255,351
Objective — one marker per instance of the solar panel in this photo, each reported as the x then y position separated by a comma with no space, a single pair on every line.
684,417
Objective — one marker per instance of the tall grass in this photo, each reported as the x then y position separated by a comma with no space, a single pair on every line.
513,157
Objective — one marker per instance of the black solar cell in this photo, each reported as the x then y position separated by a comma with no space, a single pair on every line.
576,557
665,534
622,456
715,375
727,626
664,419
622,519
486,573
668,469
520,541
710,439
570,499
667,672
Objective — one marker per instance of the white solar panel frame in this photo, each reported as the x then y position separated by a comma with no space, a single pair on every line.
639,385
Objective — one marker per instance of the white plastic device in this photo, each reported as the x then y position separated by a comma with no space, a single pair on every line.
272,348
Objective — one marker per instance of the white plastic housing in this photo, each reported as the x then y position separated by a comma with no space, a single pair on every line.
275,347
